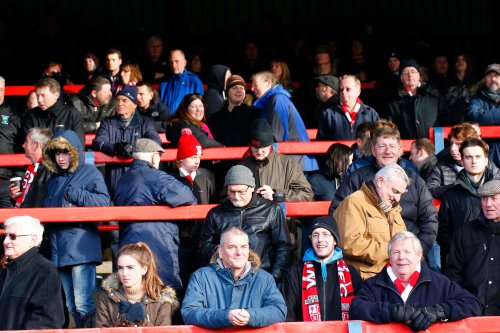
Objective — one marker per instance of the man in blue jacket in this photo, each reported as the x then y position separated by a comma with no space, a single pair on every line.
180,83
233,291
144,185
279,111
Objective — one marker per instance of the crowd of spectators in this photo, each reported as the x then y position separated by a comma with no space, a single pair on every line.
381,216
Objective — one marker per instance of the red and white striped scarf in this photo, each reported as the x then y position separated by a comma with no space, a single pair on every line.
351,115
404,291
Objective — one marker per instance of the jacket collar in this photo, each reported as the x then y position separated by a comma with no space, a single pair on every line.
382,279
23,259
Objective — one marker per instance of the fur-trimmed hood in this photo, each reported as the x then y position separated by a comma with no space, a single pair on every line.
112,285
63,141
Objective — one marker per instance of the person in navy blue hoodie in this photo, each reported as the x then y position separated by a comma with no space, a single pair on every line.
406,291
75,247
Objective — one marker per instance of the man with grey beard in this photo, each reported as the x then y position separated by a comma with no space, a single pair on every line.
262,219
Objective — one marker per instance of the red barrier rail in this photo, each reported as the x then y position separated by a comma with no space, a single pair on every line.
469,325
227,153
145,213
487,132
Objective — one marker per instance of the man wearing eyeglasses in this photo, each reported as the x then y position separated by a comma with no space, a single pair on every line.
30,289
418,107
262,219
144,185
321,286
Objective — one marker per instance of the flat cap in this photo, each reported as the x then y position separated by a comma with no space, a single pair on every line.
146,146
328,80
489,188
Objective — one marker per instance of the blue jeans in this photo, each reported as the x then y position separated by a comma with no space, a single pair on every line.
434,258
79,284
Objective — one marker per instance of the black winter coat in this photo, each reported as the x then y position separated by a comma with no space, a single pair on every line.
30,294
373,301
38,190
91,114
265,224
414,115
157,111
173,132
418,211
442,177
328,291
474,262
460,205
58,117
233,128
10,124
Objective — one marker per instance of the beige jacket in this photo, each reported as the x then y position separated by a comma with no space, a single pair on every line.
365,231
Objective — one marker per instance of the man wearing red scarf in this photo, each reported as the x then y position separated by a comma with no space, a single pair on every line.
322,286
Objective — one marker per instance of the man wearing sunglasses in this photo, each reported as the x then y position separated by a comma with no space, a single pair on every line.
261,218
30,289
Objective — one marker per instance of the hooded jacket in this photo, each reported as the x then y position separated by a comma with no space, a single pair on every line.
286,123
418,210
176,86
80,185
473,262
30,294
372,302
159,312
212,292
265,224
144,185
215,95
365,230
460,205
90,112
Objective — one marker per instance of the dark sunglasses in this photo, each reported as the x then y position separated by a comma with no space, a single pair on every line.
12,236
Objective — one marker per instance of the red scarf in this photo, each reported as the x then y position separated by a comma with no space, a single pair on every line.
310,301
351,116
29,175
403,291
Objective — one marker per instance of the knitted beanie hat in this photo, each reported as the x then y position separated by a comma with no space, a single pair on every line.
261,134
188,145
327,222
239,175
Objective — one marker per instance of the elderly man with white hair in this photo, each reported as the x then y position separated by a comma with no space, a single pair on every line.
368,218
30,289
408,292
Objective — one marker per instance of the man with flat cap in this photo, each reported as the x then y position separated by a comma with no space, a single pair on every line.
474,257
321,286
340,120
484,107
144,185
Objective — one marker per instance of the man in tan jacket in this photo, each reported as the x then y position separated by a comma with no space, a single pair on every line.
368,218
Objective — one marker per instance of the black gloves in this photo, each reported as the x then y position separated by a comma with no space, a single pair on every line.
426,316
123,148
401,313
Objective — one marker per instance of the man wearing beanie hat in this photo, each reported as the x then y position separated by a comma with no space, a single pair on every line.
117,134
322,285
274,173
144,185
472,261
484,107
231,124
262,219
418,107
340,121
368,218
281,114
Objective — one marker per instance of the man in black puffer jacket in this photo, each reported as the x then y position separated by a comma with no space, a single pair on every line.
262,219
